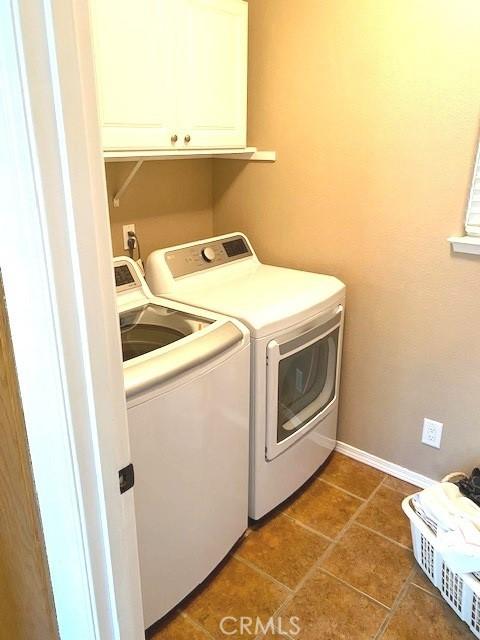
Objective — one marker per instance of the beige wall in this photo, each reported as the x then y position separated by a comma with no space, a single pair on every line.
168,201
373,107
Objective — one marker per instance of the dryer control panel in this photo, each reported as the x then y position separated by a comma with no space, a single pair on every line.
205,255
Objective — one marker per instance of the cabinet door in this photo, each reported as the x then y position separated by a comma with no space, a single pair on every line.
212,73
134,44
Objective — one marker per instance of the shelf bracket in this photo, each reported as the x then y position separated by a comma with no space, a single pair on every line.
124,187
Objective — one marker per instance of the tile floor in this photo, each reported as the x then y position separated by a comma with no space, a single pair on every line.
337,556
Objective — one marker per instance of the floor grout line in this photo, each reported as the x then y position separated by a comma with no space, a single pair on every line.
430,593
197,625
355,515
400,493
349,493
389,615
308,528
274,616
396,603
261,572
385,480
348,524
363,593
317,565
382,535
301,583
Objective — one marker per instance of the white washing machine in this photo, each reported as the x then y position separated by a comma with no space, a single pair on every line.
186,375
296,325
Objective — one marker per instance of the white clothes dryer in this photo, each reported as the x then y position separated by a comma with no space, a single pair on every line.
296,324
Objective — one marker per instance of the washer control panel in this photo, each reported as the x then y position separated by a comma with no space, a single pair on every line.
206,255
125,277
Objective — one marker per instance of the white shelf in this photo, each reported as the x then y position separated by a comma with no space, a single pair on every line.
248,154
465,244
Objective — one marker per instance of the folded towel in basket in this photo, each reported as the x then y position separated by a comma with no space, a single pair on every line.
456,520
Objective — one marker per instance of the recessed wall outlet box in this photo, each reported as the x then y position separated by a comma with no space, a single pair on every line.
432,432
126,228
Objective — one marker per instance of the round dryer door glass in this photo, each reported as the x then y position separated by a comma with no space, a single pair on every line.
306,384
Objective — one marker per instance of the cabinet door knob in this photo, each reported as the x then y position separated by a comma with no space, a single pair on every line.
187,138
174,138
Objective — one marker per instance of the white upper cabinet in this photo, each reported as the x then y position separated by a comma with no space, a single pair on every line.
213,84
134,45
171,74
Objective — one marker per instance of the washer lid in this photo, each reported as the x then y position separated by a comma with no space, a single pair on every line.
266,298
144,373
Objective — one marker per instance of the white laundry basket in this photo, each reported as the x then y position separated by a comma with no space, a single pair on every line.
461,591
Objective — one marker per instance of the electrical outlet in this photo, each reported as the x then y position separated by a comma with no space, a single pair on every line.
126,228
432,432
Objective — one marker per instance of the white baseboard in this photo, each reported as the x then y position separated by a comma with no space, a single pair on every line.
384,465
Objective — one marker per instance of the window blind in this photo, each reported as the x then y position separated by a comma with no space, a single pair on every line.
472,221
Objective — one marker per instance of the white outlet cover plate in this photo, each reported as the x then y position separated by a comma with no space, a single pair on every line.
432,432
125,229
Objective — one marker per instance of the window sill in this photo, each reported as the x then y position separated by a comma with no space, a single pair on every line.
465,244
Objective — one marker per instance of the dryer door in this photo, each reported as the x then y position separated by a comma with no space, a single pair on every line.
302,381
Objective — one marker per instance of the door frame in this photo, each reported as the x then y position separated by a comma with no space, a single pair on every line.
55,257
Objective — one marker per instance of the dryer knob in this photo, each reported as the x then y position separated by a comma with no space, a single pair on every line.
208,254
